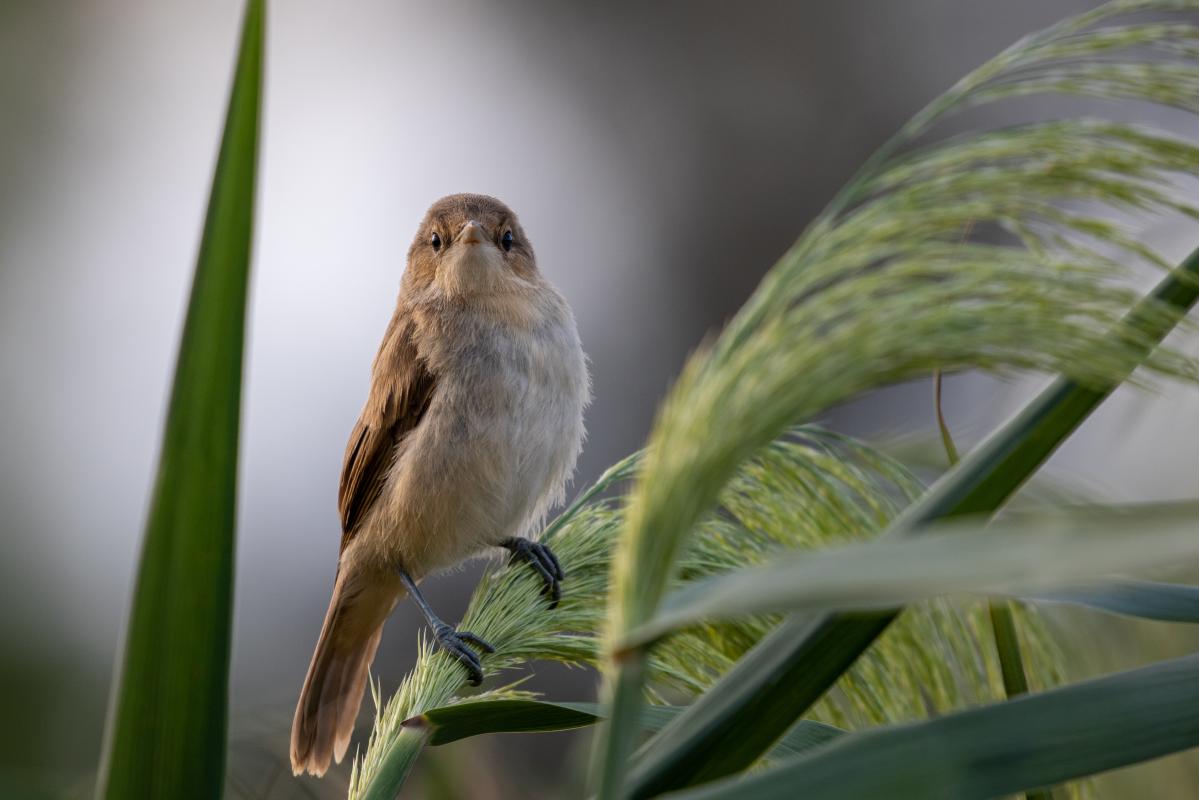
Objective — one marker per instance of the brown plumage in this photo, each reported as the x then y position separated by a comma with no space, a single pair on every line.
472,425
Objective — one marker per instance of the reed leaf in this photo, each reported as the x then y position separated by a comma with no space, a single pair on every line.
1020,554
1033,741
1163,602
167,720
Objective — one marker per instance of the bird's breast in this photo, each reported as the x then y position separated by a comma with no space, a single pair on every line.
500,437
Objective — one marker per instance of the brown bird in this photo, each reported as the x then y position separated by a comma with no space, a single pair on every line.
471,428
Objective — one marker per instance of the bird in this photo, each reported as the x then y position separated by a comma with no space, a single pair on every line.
470,431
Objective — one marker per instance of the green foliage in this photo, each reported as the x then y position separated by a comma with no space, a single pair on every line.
886,284
803,491
1036,740
1017,555
735,722
166,735
1165,602
799,491
878,289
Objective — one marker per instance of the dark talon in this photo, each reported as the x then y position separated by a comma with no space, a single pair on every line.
543,560
551,583
477,641
455,643
549,556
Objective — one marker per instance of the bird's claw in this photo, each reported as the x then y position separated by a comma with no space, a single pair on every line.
543,560
455,643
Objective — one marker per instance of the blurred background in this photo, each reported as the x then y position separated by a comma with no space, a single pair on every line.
661,157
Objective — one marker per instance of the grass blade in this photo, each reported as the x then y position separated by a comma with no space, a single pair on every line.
472,718
741,716
1008,557
1033,741
462,720
805,736
167,721
1164,602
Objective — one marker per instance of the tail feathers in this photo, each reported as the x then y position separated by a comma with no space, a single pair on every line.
336,682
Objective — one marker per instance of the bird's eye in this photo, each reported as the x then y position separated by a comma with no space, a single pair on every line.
506,241
436,242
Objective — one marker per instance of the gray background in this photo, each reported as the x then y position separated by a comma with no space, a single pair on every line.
661,156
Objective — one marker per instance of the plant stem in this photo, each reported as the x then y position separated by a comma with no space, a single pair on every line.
951,451
1011,664
401,756
1003,622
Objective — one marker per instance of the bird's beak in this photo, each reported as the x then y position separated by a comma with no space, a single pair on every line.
472,233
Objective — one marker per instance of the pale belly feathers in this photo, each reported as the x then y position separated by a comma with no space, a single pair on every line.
493,451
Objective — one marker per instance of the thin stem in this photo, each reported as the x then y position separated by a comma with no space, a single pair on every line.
951,451
1003,622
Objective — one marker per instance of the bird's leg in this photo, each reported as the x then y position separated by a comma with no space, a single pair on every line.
542,559
452,641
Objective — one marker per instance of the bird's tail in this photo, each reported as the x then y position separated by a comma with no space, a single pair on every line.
336,681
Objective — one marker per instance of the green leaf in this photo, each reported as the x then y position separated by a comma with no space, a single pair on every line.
735,722
1165,602
471,718
1009,557
167,720
1033,741
804,736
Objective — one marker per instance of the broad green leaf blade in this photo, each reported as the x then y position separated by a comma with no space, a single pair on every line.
472,718
738,720
1033,741
167,720
1010,557
1165,602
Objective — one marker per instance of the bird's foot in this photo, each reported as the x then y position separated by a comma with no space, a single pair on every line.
543,560
455,643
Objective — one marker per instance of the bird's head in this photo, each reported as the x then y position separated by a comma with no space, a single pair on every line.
470,245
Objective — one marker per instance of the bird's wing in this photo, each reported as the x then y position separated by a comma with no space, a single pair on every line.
401,389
